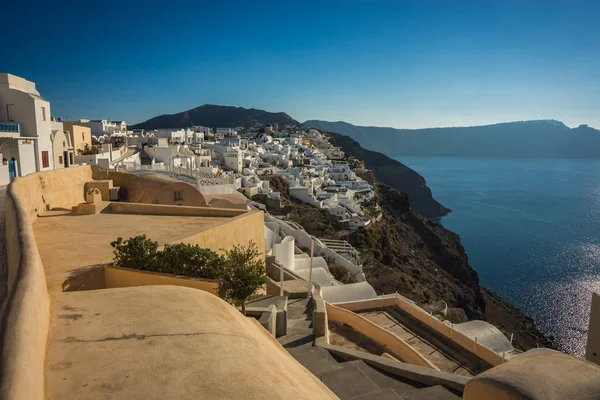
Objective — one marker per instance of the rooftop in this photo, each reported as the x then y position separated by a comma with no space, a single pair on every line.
61,258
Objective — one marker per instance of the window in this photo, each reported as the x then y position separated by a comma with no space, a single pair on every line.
177,196
43,113
60,159
70,158
83,136
64,144
45,162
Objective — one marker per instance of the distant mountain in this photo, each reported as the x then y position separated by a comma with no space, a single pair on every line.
540,139
215,116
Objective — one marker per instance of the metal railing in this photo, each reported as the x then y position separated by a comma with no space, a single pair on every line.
10,127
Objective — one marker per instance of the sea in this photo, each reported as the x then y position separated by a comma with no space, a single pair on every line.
531,230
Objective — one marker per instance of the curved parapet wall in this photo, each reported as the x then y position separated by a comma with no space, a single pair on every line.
61,188
154,189
26,310
398,347
284,252
544,375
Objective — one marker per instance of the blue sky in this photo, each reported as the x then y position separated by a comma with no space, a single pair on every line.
406,64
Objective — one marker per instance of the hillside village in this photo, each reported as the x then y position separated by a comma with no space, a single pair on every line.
89,181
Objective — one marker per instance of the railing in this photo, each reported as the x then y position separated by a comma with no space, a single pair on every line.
447,330
343,248
10,127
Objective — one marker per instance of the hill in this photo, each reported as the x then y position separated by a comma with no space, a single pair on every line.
395,175
217,116
537,139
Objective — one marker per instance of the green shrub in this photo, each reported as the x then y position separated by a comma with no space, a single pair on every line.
189,260
240,272
338,272
138,252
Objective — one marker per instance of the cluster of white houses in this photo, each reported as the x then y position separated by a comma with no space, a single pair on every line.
218,160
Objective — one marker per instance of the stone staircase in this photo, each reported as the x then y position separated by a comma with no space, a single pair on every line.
356,380
299,324
351,380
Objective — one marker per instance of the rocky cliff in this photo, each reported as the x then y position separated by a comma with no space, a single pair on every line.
408,253
394,174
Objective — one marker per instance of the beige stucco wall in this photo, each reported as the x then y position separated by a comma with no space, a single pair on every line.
25,312
60,188
116,277
60,144
153,189
543,375
121,179
172,343
459,338
160,209
394,344
592,351
238,230
80,135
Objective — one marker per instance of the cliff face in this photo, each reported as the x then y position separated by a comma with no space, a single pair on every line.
410,254
394,174
420,259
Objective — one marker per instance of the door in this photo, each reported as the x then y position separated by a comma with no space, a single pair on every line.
12,169
66,158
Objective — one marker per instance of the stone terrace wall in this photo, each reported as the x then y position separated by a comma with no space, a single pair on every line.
26,310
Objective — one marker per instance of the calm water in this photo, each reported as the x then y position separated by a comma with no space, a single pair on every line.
531,229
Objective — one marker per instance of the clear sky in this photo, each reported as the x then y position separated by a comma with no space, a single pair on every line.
406,64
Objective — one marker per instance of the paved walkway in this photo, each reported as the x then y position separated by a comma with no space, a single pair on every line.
444,357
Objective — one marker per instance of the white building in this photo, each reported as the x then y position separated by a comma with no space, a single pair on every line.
226,132
234,159
25,130
104,126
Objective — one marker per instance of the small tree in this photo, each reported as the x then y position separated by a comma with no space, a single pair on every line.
87,150
242,275
138,252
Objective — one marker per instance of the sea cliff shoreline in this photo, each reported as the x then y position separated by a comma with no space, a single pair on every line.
412,253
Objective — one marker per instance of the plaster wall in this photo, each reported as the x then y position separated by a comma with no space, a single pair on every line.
25,312
60,189
592,351
116,277
239,230
398,347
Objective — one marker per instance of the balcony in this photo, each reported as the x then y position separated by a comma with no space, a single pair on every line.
9,129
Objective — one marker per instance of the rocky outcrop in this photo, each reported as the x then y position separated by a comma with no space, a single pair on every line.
394,174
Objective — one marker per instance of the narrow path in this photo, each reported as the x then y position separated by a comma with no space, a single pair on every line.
299,332
439,357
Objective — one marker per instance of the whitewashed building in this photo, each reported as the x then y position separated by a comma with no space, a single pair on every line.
25,129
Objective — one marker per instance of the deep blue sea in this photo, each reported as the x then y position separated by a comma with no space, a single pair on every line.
531,229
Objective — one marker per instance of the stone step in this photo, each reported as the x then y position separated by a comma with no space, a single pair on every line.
383,394
403,387
315,359
349,382
436,393
299,324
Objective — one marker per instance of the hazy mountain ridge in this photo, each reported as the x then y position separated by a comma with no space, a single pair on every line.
539,138
217,116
